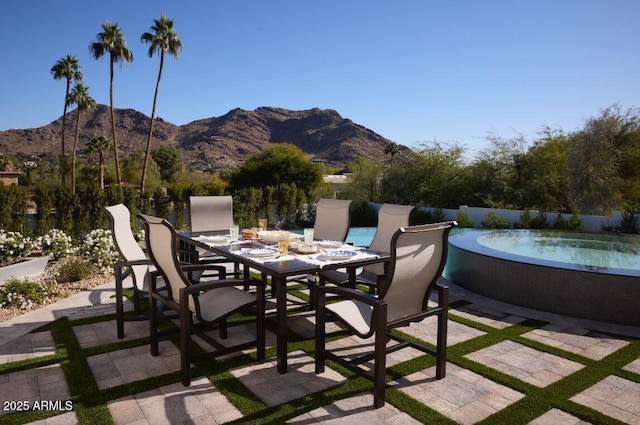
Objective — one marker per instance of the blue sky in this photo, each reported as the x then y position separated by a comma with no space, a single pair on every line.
413,71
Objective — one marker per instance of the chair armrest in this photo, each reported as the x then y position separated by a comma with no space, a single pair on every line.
201,287
352,294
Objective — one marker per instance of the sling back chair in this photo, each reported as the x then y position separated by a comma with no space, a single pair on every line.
134,263
391,217
332,221
212,213
418,256
210,302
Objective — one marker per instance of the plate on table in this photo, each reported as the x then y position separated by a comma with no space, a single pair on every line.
214,239
330,244
262,252
271,236
338,255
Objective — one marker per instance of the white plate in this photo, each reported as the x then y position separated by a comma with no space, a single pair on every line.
262,252
214,239
338,255
330,244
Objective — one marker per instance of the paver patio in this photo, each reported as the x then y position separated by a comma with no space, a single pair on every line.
466,395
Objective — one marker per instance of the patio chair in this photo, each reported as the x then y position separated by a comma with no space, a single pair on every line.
332,219
332,223
211,214
134,263
418,256
210,302
391,217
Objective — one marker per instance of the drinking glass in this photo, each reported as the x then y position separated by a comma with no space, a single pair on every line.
262,224
308,235
233,232
283,244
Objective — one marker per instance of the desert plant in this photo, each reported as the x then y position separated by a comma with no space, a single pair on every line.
25,294
74,270
464,220
98,249
492,221
14,245
55,243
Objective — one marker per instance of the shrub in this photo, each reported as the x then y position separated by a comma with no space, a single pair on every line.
494,222
463,220
55,243
527,221
25,294
74,270
98,249
628,224
13,245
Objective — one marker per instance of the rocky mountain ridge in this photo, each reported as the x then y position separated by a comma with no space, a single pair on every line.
211,142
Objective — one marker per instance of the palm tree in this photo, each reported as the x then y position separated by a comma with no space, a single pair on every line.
79,96
392,149
69,69
112,40
99,144
163,39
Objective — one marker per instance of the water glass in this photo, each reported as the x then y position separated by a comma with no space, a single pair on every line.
283,244
308,235
262,224
233,232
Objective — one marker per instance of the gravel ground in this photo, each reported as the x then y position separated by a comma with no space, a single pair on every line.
65,290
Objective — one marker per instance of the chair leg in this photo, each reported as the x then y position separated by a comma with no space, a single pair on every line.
119,305
441,349
380,366
153,325
320,331
224,333
185,329
260,327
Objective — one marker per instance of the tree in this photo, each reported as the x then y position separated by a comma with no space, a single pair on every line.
279,163
99,144
164,39
69,69
112,41
79,96
392,149
169,160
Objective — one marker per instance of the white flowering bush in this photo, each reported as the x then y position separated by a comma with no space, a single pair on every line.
98,249
26,294
56,243
14,245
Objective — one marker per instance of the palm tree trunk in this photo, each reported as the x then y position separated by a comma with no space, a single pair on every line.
153,114
101,170
73,158
113,127
63,159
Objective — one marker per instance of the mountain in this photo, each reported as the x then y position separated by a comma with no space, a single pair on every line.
211,142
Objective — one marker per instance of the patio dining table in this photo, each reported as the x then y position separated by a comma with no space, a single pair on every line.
280,268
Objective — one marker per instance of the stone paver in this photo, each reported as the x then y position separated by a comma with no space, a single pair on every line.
532,366
274,388
461,395
593,345
133,364
238,334
354,410
103,333
43,384
487,316
634,366
558,417
175,404
28,347
69,418
427,330
613,396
